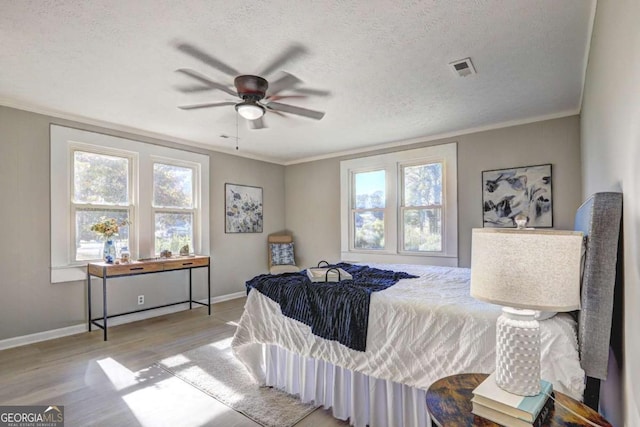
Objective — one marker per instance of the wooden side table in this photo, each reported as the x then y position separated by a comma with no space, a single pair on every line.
449,404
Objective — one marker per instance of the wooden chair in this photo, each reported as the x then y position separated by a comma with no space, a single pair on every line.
277,266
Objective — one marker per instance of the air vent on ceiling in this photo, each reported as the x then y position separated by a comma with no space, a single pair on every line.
463,67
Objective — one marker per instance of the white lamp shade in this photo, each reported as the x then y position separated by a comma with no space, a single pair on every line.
530,269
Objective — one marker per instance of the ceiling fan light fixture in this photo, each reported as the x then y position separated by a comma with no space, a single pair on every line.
250,110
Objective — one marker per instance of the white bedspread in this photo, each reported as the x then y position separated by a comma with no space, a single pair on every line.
420,330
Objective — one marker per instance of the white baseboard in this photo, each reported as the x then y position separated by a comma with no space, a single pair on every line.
133,317
42,336
227,297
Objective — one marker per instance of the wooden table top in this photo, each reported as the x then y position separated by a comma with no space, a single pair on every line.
449,404
151,265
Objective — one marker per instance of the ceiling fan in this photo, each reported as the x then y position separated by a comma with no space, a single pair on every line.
257,95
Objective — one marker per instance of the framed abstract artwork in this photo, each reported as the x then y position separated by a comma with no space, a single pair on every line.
243,208
522,190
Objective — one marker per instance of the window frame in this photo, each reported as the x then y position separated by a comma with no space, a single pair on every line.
402,207
64,267
130,207
354,210
195,198
393,164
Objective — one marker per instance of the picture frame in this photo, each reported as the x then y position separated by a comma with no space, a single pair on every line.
243,210
523,190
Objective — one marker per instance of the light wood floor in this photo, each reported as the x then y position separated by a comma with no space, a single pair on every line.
114,383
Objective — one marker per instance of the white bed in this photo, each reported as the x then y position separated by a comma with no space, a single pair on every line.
423,329
419,331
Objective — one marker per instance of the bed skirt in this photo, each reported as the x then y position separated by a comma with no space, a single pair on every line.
361,399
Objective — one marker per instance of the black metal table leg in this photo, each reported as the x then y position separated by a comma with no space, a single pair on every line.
104,301
190,291
89,296
209,287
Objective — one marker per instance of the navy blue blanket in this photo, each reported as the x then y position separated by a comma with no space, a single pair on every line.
336,311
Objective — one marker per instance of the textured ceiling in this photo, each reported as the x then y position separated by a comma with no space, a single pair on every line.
383,62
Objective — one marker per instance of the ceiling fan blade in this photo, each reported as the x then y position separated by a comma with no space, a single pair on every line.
286,108
193,89
289,54
314,92
285,82
206,80
277,113
257,123
207,59
272,98
206,105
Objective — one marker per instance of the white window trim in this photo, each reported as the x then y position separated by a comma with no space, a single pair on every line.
196,196
388,210
130,207
142,236
392,163
401,206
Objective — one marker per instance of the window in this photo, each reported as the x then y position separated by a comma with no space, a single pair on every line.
421,207
101,188
401,207
158,190
174,208
368,206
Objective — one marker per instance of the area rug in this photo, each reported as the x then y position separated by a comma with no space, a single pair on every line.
214,370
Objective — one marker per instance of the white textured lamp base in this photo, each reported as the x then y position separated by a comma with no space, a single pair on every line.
518,352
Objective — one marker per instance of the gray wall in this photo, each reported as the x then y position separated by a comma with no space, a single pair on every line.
313,188
31,304
610,128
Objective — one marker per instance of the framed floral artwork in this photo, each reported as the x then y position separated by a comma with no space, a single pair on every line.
522,190
243,208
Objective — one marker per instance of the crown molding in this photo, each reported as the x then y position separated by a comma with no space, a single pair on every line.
428,138
282,162
131,130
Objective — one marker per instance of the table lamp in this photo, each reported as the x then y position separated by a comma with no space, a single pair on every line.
525,271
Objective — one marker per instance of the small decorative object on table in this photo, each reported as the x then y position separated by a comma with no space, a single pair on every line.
109,251
125,255
184,251
165,253
108,228
521,221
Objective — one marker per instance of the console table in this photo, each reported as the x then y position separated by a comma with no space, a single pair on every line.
134,268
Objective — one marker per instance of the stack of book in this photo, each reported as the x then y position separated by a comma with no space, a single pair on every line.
511,410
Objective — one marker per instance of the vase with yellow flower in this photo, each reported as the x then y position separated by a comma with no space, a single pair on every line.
108,228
